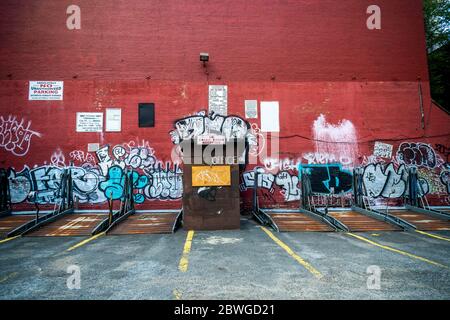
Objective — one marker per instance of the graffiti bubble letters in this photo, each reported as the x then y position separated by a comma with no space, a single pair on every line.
419,154
230,127
15,136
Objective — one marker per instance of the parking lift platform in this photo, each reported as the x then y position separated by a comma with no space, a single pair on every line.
423,220
73,224
293,220
164,221
10,223
358,222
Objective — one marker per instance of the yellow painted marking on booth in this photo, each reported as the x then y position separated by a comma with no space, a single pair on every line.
177,294
184,261
432,235
82,243
9,239
9,276
299,259
410,255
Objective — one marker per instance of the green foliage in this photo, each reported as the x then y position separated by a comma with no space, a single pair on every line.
437,26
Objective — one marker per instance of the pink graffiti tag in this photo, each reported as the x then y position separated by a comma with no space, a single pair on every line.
15,137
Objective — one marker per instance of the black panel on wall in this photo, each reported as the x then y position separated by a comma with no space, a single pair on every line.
146,115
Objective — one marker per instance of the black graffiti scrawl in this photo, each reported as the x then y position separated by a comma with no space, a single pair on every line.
418,154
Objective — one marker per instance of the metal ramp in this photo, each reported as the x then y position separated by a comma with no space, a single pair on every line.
70,225
5,196
41,225
148,223
290,220
59,222
417,210
287,221
361,217
422,220
127,221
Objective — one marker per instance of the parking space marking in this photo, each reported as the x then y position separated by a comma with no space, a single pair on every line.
82,243
9,239
299,259
177,294
432,235
9,276
184,261
410,255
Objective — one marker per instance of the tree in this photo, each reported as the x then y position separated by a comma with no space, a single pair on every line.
437,28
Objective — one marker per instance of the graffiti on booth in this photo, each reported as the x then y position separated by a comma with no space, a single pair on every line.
95,182
381,178
16,135
230,127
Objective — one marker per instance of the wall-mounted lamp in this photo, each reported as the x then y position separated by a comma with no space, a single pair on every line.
204,58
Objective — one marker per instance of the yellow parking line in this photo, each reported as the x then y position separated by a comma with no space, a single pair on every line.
9,239
184,261
397,251
82,243
433,235
299,259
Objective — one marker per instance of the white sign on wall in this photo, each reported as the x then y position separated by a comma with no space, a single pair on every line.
270,117
218,99
113,120
45,90
210,138
251,109
89,121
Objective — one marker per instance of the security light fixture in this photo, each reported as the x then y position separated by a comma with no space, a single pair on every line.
204,57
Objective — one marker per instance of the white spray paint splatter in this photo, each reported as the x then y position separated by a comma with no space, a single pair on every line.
339,140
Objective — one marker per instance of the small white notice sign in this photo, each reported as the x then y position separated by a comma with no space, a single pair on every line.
251,109
270,117
218,100
383,150
113,120
45,90
89,121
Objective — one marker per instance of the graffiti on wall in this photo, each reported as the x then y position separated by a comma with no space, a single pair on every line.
443,150
287,183
339,139
328,178
16,135
45,181
445,179
97,181
417,154
385,181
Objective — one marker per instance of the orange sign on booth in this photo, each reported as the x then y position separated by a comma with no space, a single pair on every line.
211,176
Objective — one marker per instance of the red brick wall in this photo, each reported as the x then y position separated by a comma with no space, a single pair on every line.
293,40
323,59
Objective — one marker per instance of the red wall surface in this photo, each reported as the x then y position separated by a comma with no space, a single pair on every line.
316,58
